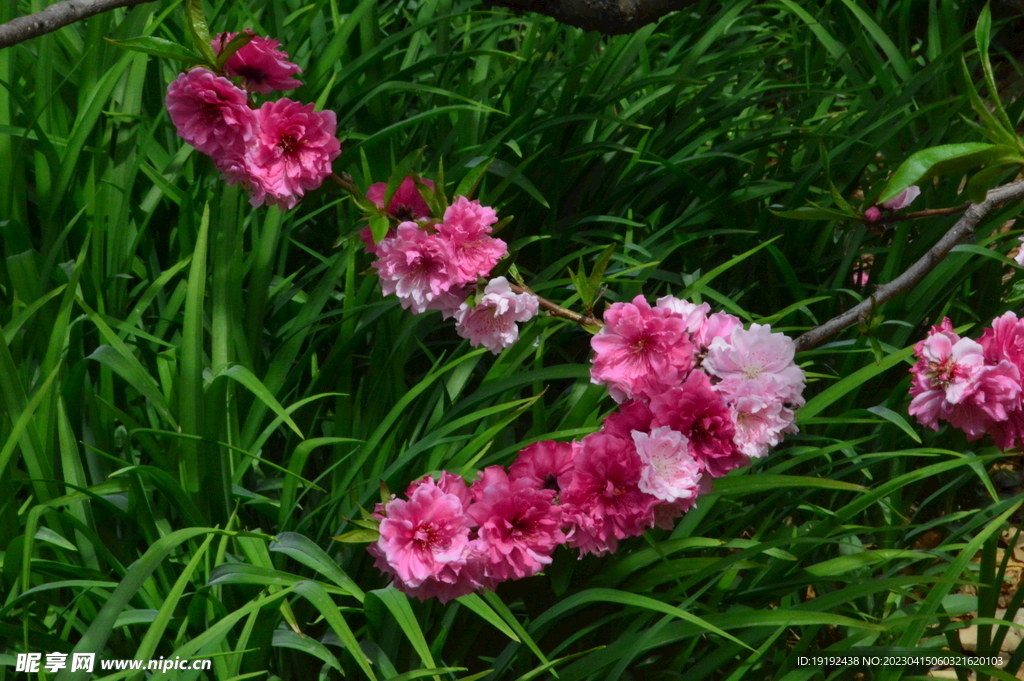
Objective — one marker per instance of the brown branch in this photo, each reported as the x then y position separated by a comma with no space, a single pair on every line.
556,310
930,213
611,17
56,16
964,227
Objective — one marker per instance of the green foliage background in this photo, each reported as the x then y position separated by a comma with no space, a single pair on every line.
196,395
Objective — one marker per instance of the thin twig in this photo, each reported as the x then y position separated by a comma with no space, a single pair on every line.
556,310
930,213
56,16
964,227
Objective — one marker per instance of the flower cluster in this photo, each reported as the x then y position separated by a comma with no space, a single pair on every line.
700,395
277,152
975,386
435,264
896,203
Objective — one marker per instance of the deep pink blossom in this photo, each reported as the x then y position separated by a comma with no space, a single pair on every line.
261,64
547,464
406,204
1004,340
604,503
294,151
952,382
493,321
670,472
631,415
449,483
424,538
698,412
519,526
211,114
640,350
872,214
758,359
415,266
467,226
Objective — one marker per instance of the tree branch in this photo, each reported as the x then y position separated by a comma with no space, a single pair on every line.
611,17
964,227
56,16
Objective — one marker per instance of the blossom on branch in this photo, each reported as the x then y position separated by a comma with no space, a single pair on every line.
493,321
211,114
261,64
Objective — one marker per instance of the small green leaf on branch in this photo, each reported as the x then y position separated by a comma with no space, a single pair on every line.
947,159
229,50
477,167
158,47
198,29
359,536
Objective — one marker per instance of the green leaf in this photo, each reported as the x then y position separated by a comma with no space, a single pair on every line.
597,274
236,43
359,536
760,483
309,554
814,214
477,167
380,225
474,603
239,373
984,180
897,420
195,20
397,604
159,47
984,252
832,393
946,159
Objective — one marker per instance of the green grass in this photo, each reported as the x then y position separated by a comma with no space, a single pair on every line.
196,394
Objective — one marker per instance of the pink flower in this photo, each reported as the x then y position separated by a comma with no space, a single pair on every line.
760,422
952,382
698,412
631,415
519,527
756,358
547,464
1019,258
449,483
424,538
861,278
695,316
211,114
1005,340
640,350
467,227
492,322
872,214
669,470
415,266
406,204
902,200
261,65
719,325
604,503
294,151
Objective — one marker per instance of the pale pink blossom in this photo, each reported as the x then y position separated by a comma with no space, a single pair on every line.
695,316
640,350
1004,340
518,525
415,266
261,64
669,470
1019,258
604,503
493,321
450,300
426,537
756,358
698,412
903,199
467,226
294,151
211,114
547,464
761,423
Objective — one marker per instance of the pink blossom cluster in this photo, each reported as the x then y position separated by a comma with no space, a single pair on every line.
435,265
277,152
699,396
975,386
447,539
